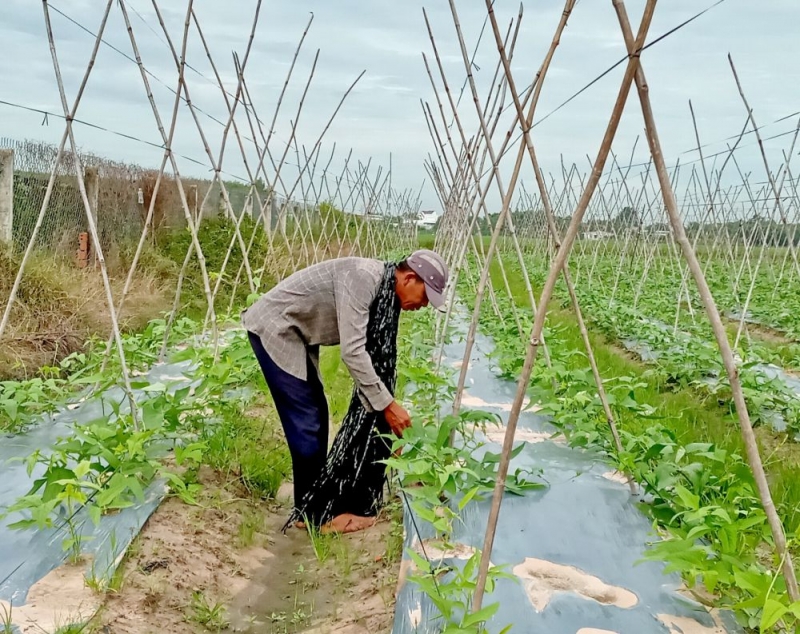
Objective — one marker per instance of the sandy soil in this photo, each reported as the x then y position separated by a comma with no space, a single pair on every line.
542,579
58,599
226,567
685,625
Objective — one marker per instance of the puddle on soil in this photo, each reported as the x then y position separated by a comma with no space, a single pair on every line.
616,476
459,364
415,617
470,400
542,579
497,434
687,625
436,550
59,599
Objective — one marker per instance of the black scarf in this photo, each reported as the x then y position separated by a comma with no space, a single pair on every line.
353,477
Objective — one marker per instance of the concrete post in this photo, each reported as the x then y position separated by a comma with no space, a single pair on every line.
6,195
194,203
91,180
222,210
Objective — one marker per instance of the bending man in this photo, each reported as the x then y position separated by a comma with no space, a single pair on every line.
354,303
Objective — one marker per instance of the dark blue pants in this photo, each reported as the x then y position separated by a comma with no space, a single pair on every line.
303,410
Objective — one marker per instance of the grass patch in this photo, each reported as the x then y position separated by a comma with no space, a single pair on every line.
250,449
251,523
215,236
210,614
395,538
58,308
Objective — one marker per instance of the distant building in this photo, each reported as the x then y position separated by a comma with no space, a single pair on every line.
426,219
597,235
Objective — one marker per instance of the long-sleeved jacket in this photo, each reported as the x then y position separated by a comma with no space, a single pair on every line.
323,305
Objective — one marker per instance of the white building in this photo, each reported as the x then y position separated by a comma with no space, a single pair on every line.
426,219
597,235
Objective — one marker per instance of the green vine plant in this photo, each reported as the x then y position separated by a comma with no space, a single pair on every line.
22,401
450,590
701,497
105,465
439,480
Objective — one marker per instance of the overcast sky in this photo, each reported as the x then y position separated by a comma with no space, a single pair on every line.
383,116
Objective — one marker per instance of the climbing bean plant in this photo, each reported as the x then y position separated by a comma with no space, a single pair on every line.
106,464
439,478
701,497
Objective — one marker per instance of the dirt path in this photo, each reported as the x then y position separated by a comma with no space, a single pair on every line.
225,566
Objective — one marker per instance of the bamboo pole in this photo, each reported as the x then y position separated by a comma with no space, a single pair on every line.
751,445
528,143
507,194
48,193
174,164
547,291
90,219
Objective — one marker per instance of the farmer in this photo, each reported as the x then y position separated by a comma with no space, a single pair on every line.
355,303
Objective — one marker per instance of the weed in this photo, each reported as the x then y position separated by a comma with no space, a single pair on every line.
104,583
345,556
251,524
322,543
6,617
72,628
394,540
212,616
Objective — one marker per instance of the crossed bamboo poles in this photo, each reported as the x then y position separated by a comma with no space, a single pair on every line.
362,213
681,250
463,193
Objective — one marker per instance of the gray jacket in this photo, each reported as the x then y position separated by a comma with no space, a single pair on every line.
323,305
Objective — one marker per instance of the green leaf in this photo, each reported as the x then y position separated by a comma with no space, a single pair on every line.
94,514
481,616
773,611
468,497
688,498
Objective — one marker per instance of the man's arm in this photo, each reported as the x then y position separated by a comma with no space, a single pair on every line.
352,309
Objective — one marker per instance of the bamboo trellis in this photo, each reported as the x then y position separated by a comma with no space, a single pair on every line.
301,216
626,215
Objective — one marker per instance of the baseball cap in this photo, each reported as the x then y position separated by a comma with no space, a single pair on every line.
432,269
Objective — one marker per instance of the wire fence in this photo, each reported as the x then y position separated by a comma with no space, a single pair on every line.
124,193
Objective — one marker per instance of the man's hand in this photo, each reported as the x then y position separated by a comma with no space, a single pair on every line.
397,418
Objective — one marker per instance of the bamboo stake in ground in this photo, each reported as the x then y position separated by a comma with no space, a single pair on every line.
547,291
12,296
504,212
184,202
751,445
554,230
91,222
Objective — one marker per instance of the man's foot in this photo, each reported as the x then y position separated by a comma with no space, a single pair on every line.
347,523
